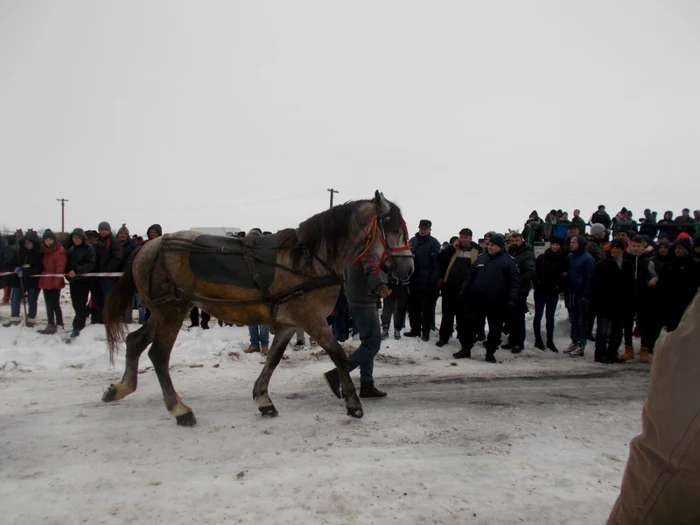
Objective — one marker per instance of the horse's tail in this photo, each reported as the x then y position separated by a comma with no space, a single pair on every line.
117,303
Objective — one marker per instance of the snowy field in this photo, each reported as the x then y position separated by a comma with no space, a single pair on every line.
537,439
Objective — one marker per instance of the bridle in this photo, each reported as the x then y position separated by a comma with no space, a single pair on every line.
375,226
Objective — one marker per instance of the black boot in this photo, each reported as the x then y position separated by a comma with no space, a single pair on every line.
491,357
464,353
411,334
425,336
516,349
440,343
551,346
507,346
370,391
540,345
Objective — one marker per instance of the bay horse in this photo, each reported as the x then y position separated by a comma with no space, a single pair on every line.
287,280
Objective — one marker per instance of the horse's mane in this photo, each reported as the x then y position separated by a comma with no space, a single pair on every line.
330,228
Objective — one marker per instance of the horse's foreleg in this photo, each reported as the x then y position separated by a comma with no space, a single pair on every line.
166,333
324,337
136,343
274,356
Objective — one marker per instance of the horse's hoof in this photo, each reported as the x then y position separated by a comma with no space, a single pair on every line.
269,411
110,394
186,420
355,412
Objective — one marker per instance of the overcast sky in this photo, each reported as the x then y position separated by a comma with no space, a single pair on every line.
469,113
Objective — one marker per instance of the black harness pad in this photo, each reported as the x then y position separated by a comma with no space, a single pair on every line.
226,265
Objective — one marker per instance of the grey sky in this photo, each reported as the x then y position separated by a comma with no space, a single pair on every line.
244,113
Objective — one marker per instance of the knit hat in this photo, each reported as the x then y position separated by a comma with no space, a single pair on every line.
123,229
104,225
618,243
663,235
466,231
684,243
683,236
48,234
664,242
556,240
79,232
597,228
498,240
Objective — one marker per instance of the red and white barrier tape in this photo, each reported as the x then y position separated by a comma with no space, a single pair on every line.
100,274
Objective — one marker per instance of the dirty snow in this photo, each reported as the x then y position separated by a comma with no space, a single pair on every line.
539,438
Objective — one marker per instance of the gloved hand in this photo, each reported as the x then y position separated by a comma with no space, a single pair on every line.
18,271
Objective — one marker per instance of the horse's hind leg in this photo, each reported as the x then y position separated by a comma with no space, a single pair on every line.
324,337
167,329
274,356
136,343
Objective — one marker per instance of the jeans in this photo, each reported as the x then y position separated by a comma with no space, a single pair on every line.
548,300
367,324
53,307
16,302
395,306
79,291
100,289
259,335
578,315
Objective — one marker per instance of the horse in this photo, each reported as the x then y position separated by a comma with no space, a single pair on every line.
287,280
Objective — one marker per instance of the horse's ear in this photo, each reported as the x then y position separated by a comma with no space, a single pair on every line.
383,205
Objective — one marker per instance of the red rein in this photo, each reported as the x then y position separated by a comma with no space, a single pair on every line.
374,225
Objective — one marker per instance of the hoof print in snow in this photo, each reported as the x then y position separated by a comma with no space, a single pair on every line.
453,363
240,474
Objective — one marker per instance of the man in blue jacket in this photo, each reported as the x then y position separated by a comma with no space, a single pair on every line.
424,281
578,288
491,290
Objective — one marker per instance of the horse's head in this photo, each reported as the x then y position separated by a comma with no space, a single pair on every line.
391,244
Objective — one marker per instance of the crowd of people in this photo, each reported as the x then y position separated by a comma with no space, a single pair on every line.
618,278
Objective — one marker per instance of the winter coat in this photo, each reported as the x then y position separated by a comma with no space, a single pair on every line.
458,272
128,248
81,259
601,218
596,248
8,261
624,224
659,262
524,257
668,227
578,221
649,227
533,230
55,261
550,268
493,278
33,257
109,254
581,265
679,281
685,225
426,267
363,283
611,289
642,270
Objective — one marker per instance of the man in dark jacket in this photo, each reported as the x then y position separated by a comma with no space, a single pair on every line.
491,290
424,282
29,263
579,222
686,223
551,268
81,260
363,286
110,258
578,290
610,292
679,281
525,259
601,217
455,262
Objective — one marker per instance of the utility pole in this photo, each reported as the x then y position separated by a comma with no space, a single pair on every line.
63,214
332,191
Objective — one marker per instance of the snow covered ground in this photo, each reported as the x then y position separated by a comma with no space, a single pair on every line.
539,438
